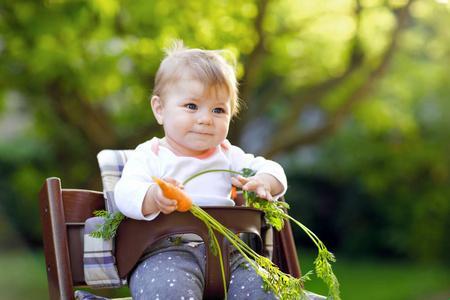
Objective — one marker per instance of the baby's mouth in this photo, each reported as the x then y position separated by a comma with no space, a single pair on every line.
201,133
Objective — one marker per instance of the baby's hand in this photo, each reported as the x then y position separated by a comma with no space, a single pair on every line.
258,184
164,204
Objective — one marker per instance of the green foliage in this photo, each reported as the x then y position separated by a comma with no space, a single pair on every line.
283,285
82,72
275,215
108,229
274,212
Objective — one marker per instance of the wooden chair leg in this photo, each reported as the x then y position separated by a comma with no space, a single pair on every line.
290,251
55,241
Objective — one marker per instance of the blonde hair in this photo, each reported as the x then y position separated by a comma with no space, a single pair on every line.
208,66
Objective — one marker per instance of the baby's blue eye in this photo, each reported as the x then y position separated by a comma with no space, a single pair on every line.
191,106
219,110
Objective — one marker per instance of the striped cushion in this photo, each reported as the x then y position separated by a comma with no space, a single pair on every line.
84,295
100,270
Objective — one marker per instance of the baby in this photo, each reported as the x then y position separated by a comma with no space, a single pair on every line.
194,99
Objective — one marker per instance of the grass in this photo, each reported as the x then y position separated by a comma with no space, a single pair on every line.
22,276
383,279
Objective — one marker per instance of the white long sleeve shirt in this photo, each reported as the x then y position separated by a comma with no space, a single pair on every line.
152,159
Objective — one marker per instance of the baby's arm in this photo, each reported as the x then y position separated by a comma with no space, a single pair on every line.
136,195
263,184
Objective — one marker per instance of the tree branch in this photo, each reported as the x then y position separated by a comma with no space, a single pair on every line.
316,93
251,69
289,140
91,122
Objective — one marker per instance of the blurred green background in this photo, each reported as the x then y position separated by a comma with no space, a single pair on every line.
351,97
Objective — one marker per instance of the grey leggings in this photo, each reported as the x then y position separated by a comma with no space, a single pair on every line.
178,272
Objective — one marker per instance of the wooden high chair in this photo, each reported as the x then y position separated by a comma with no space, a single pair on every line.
64,211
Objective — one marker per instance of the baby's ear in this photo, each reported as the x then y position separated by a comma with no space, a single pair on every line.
157,108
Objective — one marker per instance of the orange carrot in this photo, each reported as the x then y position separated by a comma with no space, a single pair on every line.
233,192
184,202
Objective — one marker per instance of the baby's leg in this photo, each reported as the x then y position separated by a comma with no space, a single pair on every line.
172,273
244,282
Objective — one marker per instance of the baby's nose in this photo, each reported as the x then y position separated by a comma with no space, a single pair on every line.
204,118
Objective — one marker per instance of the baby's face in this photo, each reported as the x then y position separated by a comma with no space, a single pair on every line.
195,117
